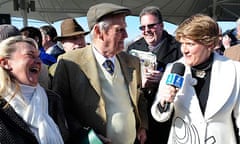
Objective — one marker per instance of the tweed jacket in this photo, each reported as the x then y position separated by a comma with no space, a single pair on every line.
76,79
189,125
233,52
13,130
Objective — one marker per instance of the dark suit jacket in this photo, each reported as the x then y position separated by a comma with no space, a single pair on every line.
76,80
57,51
13,130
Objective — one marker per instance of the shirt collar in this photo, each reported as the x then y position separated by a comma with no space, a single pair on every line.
153,48
100,58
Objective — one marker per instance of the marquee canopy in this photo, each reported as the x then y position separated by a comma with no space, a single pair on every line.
173,11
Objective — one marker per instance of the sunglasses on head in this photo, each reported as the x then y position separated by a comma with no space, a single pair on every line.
149,26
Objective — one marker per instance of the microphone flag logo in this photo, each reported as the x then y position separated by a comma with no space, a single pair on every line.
174,80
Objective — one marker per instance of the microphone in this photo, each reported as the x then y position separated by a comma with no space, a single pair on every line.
175,79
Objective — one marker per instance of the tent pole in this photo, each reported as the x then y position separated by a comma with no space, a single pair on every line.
25,21
23,5
214,10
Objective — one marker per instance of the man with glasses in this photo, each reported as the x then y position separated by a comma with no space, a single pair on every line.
166,49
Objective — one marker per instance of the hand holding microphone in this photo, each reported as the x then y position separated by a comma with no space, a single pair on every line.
174,82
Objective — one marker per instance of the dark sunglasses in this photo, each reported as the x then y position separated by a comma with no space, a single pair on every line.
150,26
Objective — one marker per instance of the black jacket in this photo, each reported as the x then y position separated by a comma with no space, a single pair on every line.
169,50
13,130
57,51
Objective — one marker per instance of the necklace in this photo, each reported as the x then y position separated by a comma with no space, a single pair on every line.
201,72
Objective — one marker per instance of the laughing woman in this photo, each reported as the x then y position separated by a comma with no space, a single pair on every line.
28,113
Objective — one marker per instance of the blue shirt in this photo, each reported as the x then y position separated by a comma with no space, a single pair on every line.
46,58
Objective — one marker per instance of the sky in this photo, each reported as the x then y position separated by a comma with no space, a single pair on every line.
132,26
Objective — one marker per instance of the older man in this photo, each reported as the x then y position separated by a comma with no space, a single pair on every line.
72,35
100,84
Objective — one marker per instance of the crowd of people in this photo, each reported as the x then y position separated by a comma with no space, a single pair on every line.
57,89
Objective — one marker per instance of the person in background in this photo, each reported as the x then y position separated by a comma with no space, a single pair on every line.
166,49
232,42
206,108
7,30
35,34
228,39
28,113
100,84
49,42
233,52
72,35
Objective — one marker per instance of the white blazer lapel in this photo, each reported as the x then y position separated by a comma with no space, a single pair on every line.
221,85
187,95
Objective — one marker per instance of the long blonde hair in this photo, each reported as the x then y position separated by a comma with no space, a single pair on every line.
7,80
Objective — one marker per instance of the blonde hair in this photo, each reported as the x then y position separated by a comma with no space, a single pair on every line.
200,28
7,47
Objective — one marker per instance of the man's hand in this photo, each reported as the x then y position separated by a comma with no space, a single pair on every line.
151,78
141,135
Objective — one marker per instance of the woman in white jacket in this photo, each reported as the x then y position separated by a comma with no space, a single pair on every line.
206,108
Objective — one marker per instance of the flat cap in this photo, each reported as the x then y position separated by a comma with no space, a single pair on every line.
97,12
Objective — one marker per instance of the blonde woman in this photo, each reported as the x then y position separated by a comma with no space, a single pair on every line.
28,113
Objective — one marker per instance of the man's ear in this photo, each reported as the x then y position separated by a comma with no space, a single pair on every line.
48,37
98,32
4,64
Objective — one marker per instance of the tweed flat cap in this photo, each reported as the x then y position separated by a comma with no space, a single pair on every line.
97,12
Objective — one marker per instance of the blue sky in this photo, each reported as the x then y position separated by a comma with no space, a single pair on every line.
132,26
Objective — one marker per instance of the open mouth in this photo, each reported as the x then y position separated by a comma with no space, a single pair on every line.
34,70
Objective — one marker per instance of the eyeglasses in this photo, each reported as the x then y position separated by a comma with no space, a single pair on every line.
149,26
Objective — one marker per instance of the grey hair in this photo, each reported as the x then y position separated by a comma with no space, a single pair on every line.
103,26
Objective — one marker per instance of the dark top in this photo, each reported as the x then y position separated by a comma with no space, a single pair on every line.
203,83
13,129
56,51
169,51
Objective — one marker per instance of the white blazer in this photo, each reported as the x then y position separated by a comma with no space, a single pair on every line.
189,125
